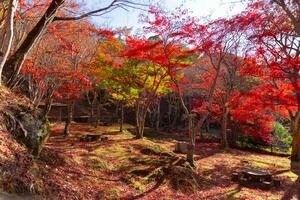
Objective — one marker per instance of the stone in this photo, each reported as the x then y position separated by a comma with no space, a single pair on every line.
182,147
29,129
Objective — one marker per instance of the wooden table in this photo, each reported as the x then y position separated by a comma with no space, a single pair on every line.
256,175
256,178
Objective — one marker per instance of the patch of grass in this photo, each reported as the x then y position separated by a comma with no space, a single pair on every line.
137,185
102,164
95,162
130,149
233,194
259,165
115,151
115,130
112,133
155,149
128,133
292,176
267,162
146,161
110,193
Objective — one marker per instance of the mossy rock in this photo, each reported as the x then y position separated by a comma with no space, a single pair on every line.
28,128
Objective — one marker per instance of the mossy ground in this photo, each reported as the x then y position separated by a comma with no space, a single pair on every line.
126,168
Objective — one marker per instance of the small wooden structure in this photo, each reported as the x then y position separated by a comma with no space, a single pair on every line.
255,178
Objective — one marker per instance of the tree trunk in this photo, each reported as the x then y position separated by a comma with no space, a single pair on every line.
141,113
92,113
7,43
191,147
207,125
47,108
200,122
224,142
69,118
296,146
91,104
98,115
13,65
296,141
121,116
157,116
175,119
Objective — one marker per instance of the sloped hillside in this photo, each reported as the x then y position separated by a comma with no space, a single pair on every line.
18,117
14,157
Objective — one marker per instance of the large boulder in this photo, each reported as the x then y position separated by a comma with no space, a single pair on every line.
26,124
28,129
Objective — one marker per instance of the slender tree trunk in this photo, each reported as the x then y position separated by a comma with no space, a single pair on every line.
207,125
175,119
157,116
141,113
92,113
13,65
69,118
224,128
98,116
233,131
9,33
121,116
200,122
48,105
91,104
191,150
169,113
191,147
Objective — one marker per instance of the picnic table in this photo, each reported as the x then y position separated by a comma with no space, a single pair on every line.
257,175
255,178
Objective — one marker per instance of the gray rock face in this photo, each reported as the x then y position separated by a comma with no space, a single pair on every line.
29,129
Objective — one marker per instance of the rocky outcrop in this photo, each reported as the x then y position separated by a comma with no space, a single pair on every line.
25,124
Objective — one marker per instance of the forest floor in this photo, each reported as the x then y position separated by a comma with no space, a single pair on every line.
125,168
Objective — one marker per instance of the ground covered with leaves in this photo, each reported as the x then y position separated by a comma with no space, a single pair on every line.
125,168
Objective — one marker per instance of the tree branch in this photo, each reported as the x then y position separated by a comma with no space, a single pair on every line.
113,5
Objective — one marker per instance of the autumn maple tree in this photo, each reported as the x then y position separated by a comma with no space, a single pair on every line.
272,30
53,12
